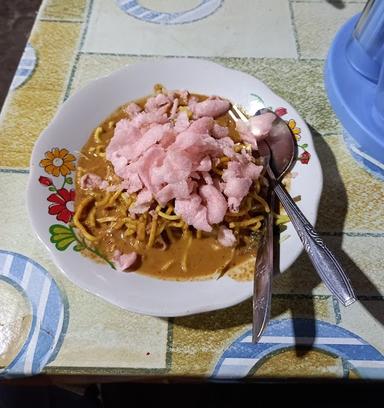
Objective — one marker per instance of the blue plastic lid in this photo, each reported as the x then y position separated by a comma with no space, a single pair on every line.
354,80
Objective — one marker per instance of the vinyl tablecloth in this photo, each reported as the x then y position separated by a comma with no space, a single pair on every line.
281,42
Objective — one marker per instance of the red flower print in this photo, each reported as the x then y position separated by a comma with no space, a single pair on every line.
281,111
304,157
45,181
60,201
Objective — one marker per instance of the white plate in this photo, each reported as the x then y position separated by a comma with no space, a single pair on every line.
71,127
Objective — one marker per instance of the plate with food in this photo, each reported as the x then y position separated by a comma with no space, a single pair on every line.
148,194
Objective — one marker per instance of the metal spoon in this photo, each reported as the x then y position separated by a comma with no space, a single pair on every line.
279,149
263,275
284,149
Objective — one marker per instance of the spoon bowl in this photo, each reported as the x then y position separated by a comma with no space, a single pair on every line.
282,146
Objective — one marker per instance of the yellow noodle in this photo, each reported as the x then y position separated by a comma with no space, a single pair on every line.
121,210
177,224
131,227
256,227
77,222
128,232
245,223
167,265
119,224
161,228
184,259
97,134
152,234
168,217
185,228
127,199
91,219
114,197
261,201
199,234
169,209
111,123
104,201
141,227
223,268
106,219
130,221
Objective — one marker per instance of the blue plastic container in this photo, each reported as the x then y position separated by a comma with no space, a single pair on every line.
354,80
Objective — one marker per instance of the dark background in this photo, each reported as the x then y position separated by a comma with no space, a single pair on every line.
16,20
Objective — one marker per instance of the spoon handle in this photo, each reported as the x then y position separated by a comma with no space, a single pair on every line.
262,291
325,263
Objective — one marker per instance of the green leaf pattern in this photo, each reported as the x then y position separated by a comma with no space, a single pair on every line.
61,236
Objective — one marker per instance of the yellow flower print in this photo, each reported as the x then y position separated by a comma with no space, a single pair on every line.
295,130
58,161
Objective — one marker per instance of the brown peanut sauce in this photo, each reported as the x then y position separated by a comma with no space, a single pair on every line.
206,257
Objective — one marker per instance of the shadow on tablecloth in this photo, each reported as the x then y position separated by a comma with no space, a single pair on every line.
293,289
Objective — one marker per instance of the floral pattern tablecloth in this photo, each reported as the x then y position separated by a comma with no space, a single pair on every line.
283,43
